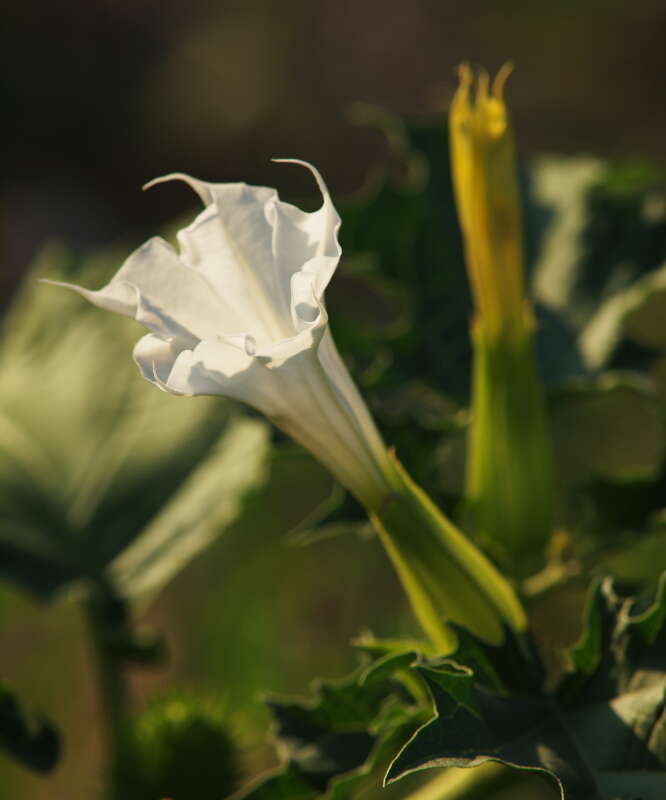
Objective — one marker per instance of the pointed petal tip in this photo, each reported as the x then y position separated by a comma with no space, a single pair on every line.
313,170
301,163
199,187
171,176
64,285
291,161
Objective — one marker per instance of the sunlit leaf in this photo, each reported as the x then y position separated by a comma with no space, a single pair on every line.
210,498
89,454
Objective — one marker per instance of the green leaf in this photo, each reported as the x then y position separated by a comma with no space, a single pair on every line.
644,311
91,455
633,313
593,236
40,570
603,728
208,501
557,219
474,725
387,665
344,737
607,428
619,651
405,222
31,740
512,666
639,559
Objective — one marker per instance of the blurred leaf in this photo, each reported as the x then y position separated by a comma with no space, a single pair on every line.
557,218
602,735
405,221
33,741
366,305
640,559
339,514
608,428
210,499
634,313
620,651
644,317
40,571
90,453
599,232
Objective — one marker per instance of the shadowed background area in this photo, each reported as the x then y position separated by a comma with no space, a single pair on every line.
100,97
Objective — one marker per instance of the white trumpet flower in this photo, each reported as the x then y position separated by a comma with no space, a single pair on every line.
239,311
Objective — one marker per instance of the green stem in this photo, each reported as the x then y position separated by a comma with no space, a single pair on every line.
107,618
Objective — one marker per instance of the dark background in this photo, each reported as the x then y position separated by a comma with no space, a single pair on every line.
100,96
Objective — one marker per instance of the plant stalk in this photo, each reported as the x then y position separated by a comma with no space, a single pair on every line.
107,622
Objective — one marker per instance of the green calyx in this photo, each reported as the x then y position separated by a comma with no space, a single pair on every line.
510,493
446,578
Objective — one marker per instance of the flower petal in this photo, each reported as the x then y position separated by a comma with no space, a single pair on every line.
234,255
154,287
155,358
313,234
230,244
350,398
249,245
292,390
306,308
216,366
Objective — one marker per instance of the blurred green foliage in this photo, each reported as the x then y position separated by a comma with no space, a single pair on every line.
102,477
598,734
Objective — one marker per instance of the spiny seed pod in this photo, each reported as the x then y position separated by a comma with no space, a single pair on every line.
178,748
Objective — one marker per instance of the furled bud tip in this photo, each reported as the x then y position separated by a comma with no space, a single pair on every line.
486,190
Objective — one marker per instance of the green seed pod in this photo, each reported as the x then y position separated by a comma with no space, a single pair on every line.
178,748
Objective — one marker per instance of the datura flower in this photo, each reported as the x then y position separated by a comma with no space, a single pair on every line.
239,311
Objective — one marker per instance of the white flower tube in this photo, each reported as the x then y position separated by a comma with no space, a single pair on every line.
239,311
